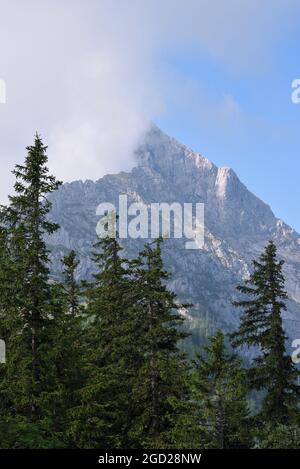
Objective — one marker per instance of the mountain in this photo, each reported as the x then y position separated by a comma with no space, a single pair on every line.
237,227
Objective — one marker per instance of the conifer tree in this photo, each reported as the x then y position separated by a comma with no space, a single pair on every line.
28,371
161,379
220,388
72,288
69,347
103,417
261,326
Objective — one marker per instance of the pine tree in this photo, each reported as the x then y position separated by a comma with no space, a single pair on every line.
27,317
219,387
161,378
261,326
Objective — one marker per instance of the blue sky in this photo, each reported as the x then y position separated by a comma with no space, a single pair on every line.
215,74
259,136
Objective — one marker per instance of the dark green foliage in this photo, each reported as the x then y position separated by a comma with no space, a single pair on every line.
261,326
20,432
161,378
219,389
69,348
72,289
28,375
137,376
104,415
279,436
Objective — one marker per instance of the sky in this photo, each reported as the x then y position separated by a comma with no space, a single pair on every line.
90,75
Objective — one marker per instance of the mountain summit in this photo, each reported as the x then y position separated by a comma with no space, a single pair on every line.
237,227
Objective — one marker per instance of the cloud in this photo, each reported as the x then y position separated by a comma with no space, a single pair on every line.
89,76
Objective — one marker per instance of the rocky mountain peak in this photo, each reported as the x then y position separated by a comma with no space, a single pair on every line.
237,227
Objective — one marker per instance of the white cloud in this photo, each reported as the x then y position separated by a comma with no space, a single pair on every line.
88,75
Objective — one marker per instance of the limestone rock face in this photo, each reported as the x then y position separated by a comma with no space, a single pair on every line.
237,227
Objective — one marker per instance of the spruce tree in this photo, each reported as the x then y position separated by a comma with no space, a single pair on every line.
72,288
261,326
69,347
219,387
104,415
160,385
29,374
